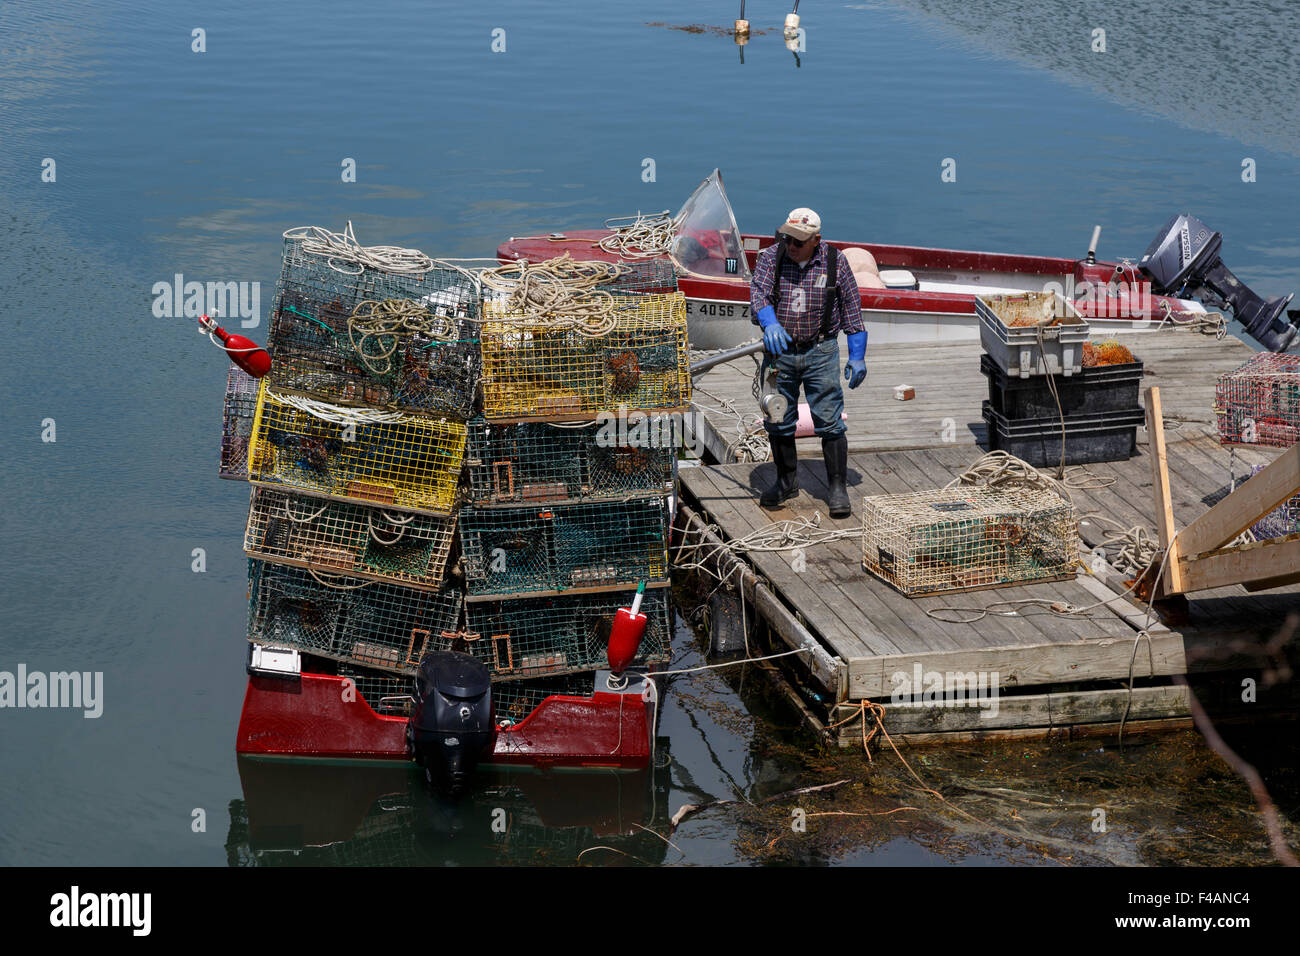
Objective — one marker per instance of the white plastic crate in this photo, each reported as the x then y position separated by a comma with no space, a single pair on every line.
1052,345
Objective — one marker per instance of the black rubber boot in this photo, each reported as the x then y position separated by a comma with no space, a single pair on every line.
836,452
786,457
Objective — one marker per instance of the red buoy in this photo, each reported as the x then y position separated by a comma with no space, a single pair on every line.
625,636
244,352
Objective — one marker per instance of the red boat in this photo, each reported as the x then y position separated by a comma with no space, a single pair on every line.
297,713
928,295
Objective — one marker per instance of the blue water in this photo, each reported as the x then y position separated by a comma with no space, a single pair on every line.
170,161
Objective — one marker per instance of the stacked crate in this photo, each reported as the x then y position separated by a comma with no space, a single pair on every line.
355,450
1046,398
566,514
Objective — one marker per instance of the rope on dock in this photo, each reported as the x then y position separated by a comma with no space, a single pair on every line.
343,248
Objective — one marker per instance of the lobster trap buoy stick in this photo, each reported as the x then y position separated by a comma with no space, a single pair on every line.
244,352
625,636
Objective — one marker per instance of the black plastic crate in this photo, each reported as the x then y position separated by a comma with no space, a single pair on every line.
1111,436
1093,391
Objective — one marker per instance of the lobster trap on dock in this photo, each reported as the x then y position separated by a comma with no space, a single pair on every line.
404,461
535,461
353,335
968,538
355,620
1259,402
342,538
536,370
534,637
237,423
589,545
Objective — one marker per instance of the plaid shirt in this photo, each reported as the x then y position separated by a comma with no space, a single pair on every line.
803,294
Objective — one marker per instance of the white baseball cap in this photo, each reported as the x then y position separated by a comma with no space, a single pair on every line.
802,223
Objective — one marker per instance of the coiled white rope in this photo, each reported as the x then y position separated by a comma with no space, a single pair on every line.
342,248
559,294
337,414
641,236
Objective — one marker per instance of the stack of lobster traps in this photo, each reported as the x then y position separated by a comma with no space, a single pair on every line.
567,510
434,470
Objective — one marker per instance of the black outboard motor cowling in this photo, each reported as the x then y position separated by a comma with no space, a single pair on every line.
452,725
1184,260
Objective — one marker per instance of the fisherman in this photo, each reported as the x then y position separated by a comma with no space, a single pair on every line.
803,295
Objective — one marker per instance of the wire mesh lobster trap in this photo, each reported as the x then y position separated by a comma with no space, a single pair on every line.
237,423
966,538
342,538
366,337
405,461
390,694
534,369
559,547
1259,402
535,461
535,637
348,619
1278,523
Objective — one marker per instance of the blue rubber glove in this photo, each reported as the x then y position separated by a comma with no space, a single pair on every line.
775,339
856,369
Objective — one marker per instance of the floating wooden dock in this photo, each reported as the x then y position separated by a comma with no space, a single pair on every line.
1056,673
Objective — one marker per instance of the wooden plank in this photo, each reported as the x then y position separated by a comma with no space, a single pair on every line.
1030,665
1243,507
1051,709
1270,560
1160,482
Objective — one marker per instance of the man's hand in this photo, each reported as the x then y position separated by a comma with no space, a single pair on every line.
775,339
855,372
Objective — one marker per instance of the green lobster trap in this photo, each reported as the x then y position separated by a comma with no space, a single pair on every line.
404,461
366,337
237,423
536,461
551,636
966,538
341,538
549,547
539,367
349,619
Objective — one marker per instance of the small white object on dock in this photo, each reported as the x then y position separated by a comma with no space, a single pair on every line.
904,393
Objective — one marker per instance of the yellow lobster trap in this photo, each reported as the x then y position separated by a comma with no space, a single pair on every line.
540,367
366,456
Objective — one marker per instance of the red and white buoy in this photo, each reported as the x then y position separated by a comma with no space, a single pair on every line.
244,352
625,636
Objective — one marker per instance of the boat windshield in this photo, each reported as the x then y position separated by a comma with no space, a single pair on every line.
707,241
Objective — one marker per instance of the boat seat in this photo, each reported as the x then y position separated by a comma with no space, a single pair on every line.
898,279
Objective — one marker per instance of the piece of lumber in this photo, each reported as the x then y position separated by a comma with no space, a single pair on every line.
1271,560
1244,506
1160,483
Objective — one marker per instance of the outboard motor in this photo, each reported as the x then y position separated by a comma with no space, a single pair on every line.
451,727
1184,260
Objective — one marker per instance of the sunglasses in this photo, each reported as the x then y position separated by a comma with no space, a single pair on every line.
797,243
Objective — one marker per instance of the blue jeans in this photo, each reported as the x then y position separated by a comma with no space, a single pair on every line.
818,371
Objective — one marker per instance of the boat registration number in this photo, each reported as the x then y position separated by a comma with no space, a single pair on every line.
725,310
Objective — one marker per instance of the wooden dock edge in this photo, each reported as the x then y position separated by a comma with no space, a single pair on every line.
829,670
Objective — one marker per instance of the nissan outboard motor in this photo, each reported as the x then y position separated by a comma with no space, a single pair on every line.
1184,261
451,727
